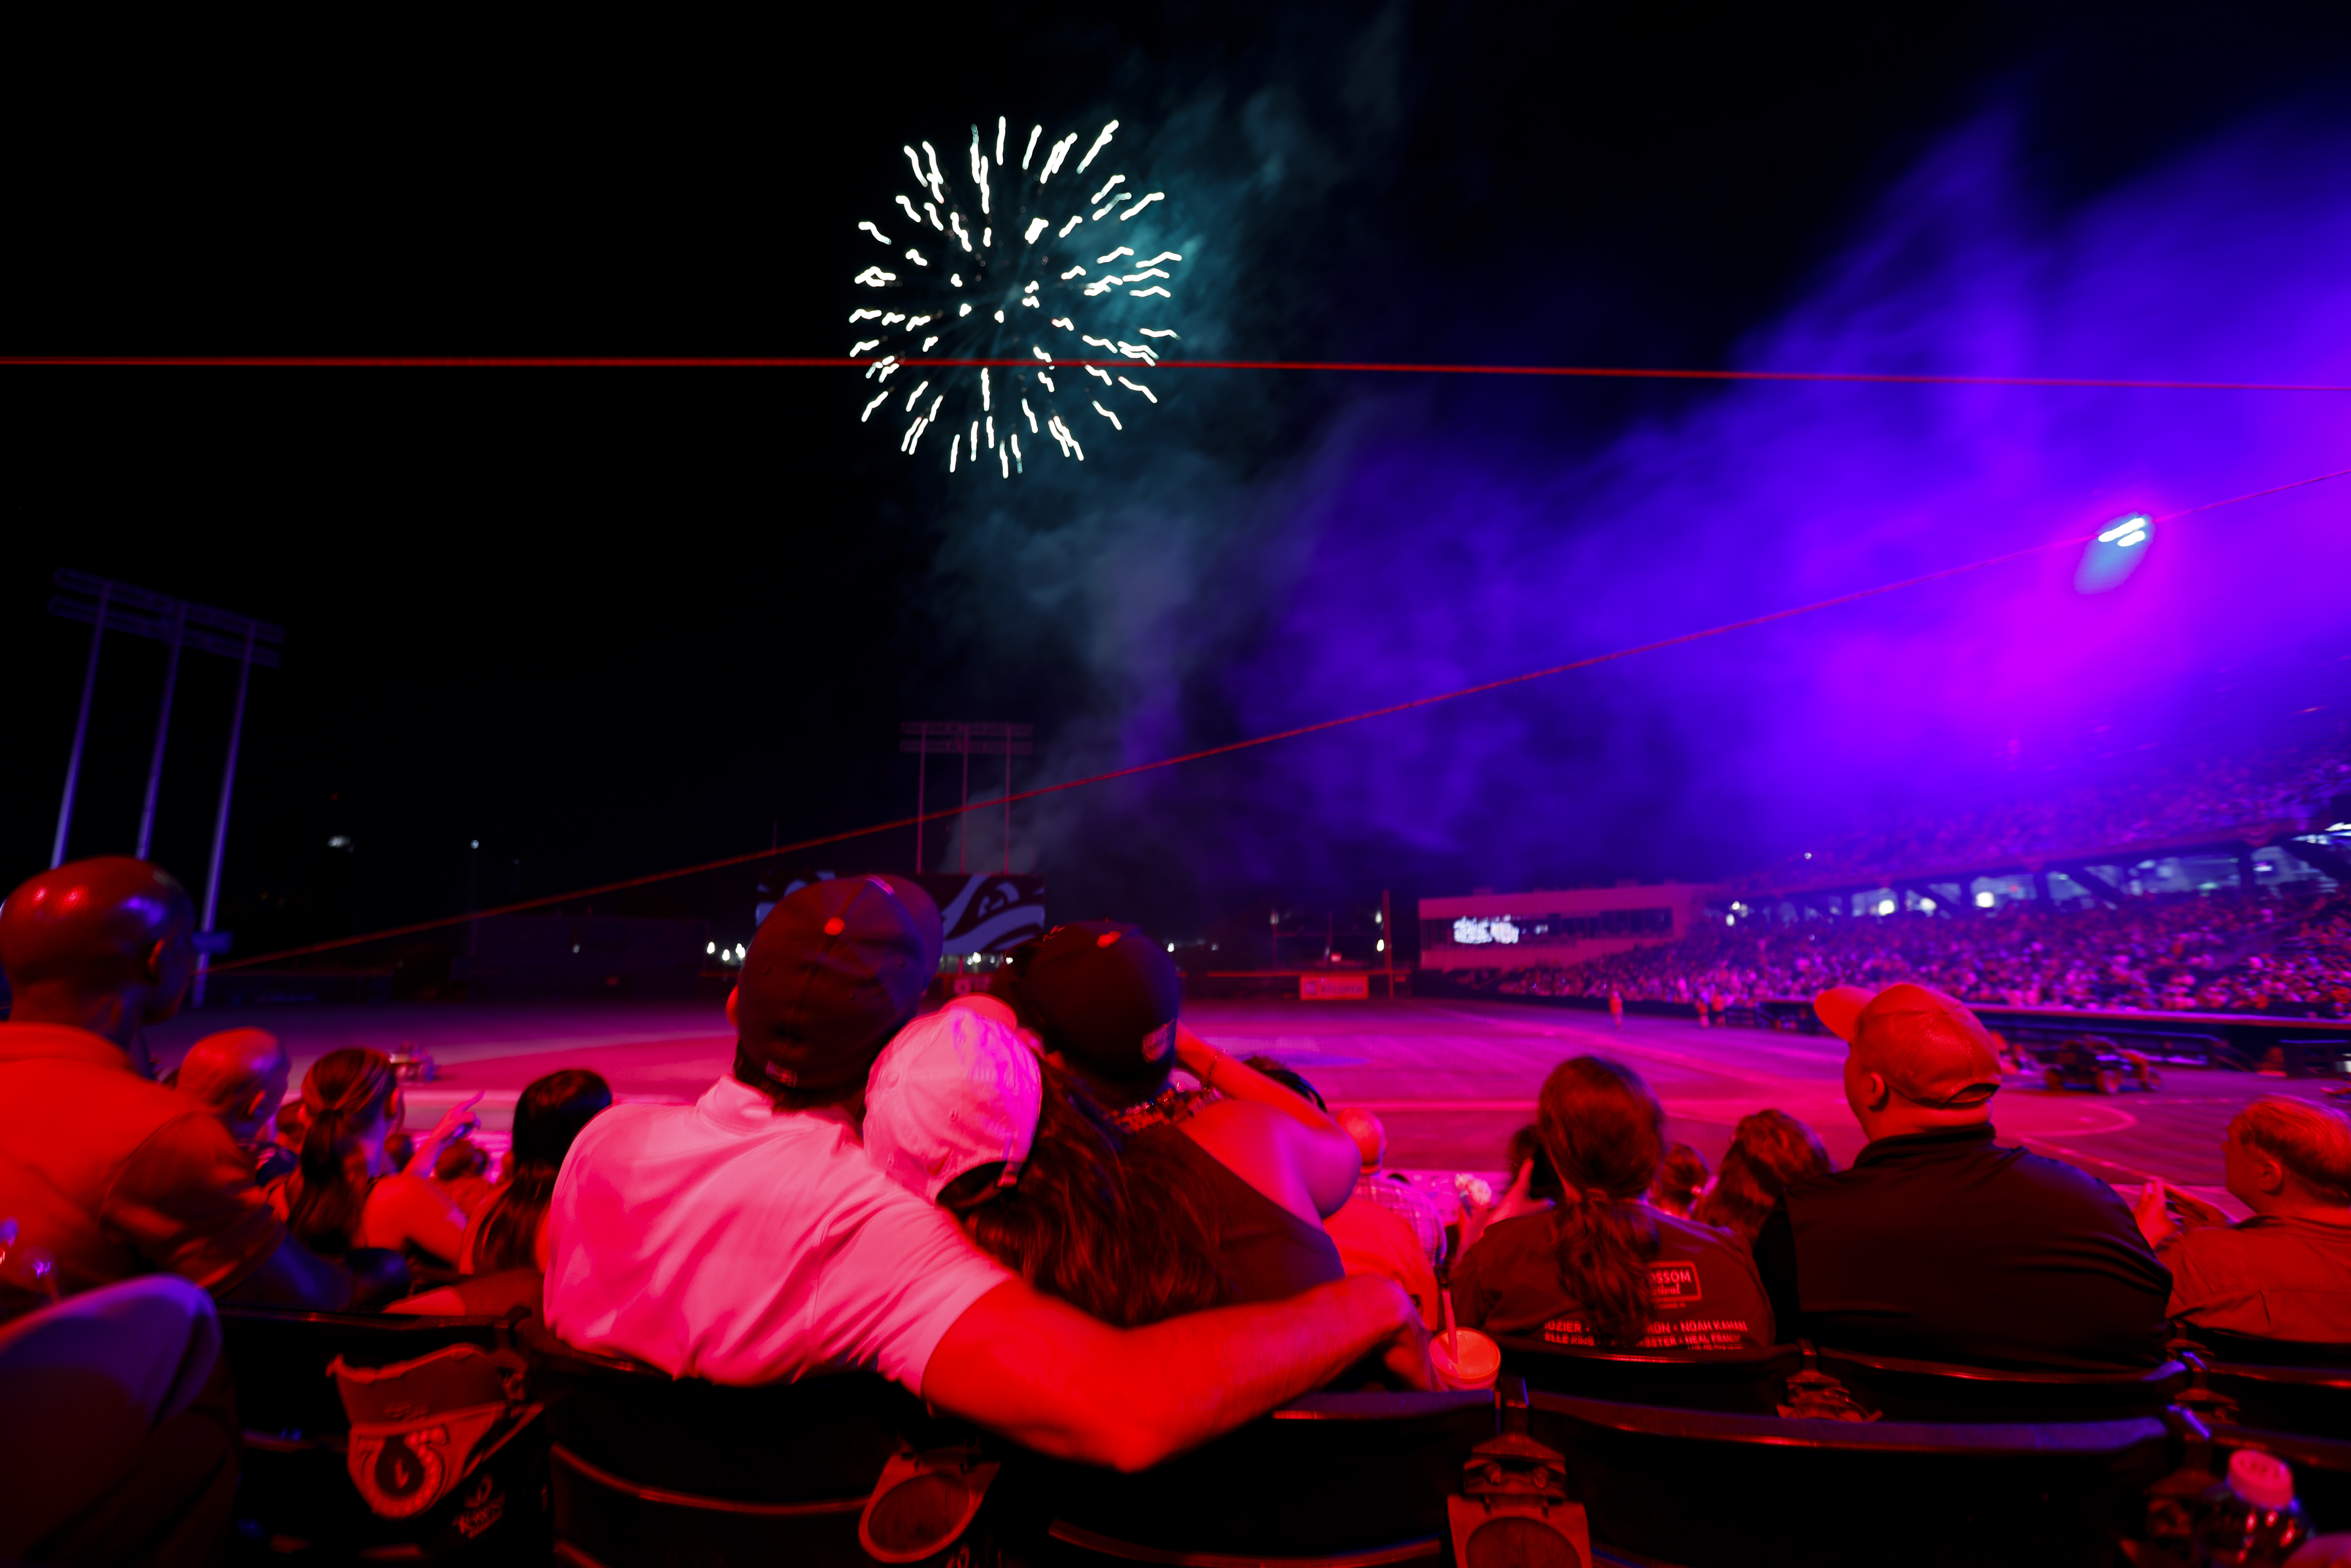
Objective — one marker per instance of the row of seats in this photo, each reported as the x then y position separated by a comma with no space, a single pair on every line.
1608,1458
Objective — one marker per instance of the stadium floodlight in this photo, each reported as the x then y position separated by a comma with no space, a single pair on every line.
925,738
105,605
2114,554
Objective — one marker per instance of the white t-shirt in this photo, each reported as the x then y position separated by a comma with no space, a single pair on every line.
728,1242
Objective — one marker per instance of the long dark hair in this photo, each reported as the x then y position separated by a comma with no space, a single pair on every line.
547,1118
1119,1230
1769,1152
344,1091
1604,1132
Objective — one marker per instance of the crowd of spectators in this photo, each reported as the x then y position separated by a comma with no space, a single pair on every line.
2283,954
2292,788
1051,1209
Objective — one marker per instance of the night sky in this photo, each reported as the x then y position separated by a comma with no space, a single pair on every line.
609,622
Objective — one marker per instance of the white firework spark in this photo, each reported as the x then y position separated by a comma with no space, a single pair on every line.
1011,267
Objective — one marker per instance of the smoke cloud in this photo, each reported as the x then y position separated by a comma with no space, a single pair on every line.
1193,584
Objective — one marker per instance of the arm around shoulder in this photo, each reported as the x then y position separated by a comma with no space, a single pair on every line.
1043,1373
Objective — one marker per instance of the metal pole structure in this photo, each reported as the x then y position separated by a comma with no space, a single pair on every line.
81,729
162,731
963,815
922,767
220,818
1007,810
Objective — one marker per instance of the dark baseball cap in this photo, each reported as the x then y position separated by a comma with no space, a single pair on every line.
1102,994
833,972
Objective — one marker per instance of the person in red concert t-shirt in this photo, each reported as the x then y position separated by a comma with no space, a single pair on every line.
1603,1267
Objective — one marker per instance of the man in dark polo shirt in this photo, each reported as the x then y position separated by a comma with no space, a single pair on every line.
1939,1243
111,1173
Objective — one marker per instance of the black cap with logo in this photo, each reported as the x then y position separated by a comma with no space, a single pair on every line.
1102,994
833,972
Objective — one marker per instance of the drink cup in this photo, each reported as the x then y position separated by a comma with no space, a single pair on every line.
1475,1364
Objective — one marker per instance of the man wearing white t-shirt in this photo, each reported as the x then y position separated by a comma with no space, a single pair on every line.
747,1238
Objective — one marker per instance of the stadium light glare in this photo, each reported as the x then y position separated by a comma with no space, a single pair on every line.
2109,558
1986,899
1885,906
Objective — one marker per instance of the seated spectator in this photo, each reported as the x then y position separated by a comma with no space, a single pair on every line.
1939,1243
1605,1269
1378,1229
1102,999
1769,1150
113,1175
1376,1183
240,1074
462,1172
1681,1177
2285,1272
748,1238
961,1112
347,1193
509,1230
119,1443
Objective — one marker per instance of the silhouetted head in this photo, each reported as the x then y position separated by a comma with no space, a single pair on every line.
105,945
835,970
1103,997
239,1074
550,1113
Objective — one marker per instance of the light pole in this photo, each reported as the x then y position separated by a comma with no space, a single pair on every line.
925,738
108,606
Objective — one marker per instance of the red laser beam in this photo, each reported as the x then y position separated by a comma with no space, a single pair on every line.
1304,729
747,361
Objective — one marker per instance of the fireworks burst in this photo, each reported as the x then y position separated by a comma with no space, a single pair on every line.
1012,264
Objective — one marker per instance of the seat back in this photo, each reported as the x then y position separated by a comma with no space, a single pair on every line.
2307,1399
1340,1478
295,1485
281,1356
1689,1486
1902,1389
2249,1350
1747,1380
646,1469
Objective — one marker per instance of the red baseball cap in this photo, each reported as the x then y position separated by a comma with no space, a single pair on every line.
1928,1047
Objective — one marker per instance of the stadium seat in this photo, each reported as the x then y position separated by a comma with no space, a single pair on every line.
1747,1380
1908,1390
1699,1487
295,1487
646,1469
2248,1350
1335,1478
2313,1400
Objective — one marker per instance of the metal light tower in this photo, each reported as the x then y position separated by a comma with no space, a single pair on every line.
926,738
178,624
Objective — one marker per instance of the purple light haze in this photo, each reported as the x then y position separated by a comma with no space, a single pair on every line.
1414,552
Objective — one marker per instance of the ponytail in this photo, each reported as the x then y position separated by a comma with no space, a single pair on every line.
1603,1131
344,1093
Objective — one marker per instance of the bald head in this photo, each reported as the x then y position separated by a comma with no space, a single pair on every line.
104,945
241,1074
1919,1059
1371,1137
